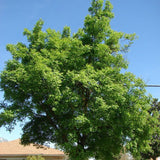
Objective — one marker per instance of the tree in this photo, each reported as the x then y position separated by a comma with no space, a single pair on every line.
154,112
73,92
39,157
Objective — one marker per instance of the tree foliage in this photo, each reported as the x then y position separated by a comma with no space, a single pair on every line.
39,157
72,89
154,152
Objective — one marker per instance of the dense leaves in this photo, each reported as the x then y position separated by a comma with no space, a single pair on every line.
155,141
73,92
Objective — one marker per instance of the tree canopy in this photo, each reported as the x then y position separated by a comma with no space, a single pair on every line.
72,90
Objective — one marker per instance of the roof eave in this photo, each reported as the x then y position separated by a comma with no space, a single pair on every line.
20,155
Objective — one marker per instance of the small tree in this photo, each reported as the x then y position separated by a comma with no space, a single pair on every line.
73,91
155,141
38,157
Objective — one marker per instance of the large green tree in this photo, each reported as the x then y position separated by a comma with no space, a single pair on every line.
73,92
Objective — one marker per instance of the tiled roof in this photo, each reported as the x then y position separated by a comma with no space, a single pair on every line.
15,148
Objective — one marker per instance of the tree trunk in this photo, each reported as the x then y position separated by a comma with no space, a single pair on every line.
154,158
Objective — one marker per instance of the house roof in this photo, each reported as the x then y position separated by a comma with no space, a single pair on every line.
11,148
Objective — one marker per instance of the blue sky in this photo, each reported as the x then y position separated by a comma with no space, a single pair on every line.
139,16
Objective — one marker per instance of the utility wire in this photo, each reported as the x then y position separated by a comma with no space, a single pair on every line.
152,85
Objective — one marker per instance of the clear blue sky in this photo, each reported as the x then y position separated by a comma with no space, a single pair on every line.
139,16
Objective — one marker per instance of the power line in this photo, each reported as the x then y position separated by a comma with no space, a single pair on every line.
152,85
